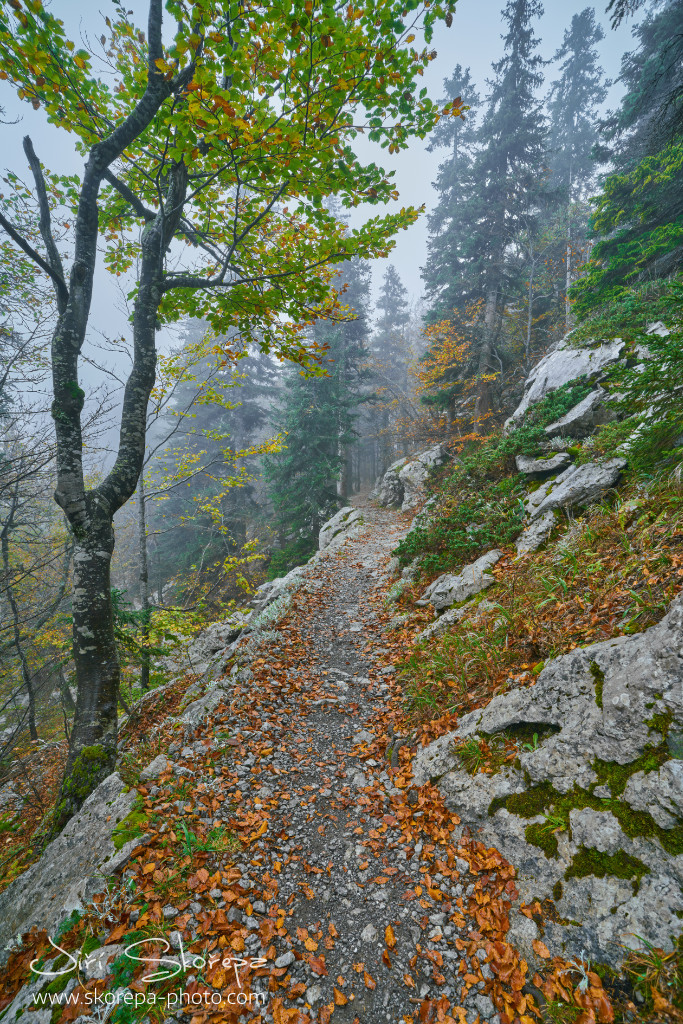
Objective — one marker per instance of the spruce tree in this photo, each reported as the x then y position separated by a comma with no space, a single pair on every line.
309,478
638,218
448,273
500,194
572,105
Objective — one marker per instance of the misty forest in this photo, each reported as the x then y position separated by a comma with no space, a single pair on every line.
341,626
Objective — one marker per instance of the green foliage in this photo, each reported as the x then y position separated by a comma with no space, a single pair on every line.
479,506
476,518
646,387
640,221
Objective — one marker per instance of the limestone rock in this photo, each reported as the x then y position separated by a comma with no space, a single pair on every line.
337,529
403,483
413,475
561,365
531,467
389,489
444,622
658,793
584,417
155,768
535,534
448,589
603,703
577,485
67,874
271,591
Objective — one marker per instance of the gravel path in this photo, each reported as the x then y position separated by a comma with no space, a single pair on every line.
369,907
347,885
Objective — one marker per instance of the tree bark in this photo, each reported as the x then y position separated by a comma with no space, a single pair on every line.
92,750
144,585
482,405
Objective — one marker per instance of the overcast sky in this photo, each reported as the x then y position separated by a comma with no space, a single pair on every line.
474,39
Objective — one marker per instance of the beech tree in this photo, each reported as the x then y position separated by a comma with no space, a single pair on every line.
210,145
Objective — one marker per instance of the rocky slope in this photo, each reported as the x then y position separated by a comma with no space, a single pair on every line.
284,813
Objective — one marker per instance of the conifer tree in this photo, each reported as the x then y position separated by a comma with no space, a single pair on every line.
307,479
509,169
572,104
448,276
638,218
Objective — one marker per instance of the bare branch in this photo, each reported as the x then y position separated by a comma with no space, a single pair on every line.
45,223
16,237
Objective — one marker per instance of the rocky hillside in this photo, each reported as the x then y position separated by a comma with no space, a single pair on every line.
433,775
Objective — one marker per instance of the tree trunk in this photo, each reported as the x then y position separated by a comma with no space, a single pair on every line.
482,405
568,281
92,751
530,318
144,585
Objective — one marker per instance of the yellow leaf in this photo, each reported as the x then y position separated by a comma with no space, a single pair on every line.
389,936
339,997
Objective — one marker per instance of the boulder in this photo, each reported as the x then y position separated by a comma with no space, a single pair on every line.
389,489
413,475
337,529
70,870
563,813
443,623
271,591
561,365
584,417
535,534
403,483
448,589
536,467
155,768
577,485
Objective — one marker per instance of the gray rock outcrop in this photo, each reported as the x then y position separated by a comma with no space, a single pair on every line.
403,484
590,814
535,534
448,589
72,867
562,365
389,489
535,467
338,528
584,417
413,476
576,486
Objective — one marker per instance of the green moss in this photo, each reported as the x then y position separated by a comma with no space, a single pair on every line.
90,764
616,775
599,678
618,865
557,891
543,799
661,722
543,836
130,827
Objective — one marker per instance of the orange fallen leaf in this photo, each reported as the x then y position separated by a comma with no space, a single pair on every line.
369,981
339,997
540,948
389,936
